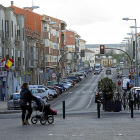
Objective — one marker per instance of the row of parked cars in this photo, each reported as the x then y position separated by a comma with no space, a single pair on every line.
50,92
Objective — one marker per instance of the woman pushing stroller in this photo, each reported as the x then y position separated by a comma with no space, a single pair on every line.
25,103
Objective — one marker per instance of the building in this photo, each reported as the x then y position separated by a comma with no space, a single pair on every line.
11,46
82,52
89,58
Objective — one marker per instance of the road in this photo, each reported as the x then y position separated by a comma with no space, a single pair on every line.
82,99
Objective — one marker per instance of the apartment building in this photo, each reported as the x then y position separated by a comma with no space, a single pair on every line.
51,46
89,58
82,52
11,46
57,44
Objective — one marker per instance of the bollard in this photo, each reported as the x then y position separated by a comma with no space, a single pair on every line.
131,108
63,109
98,107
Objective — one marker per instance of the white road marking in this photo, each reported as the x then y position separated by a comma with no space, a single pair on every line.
91,99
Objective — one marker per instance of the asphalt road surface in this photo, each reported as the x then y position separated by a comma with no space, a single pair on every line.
82,99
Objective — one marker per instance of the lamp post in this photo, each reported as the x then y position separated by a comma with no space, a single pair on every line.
136,64
25,53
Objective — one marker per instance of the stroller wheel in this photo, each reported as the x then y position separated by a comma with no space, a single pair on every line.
43,120
34,120
50,119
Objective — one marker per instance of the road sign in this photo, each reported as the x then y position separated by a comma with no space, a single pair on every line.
131,82
53,75
131,70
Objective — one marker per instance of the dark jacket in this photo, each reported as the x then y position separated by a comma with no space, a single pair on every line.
26,97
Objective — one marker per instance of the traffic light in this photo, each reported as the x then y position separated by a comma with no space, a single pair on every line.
129,76
102,49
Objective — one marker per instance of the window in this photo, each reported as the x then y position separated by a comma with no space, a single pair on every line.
6,28
18,33
2,28
12,27
23,32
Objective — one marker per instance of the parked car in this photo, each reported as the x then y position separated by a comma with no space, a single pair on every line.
108,71
44,94
51,92
69,80
67,83
13,101
73,78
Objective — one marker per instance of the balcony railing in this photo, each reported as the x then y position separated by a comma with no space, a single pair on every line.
32,34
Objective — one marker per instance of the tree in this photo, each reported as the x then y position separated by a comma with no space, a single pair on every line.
108,88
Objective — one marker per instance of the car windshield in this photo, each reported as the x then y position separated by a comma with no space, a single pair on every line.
16,96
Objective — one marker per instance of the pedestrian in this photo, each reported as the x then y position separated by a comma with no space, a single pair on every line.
128,88
25,103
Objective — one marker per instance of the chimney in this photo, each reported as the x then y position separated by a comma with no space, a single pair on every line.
12,3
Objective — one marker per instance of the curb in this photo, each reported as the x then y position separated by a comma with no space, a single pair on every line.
10,112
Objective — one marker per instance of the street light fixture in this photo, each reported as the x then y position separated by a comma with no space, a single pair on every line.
25,54
136,59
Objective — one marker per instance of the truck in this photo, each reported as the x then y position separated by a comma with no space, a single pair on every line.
98,66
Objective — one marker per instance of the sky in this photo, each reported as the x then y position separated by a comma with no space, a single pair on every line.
96,21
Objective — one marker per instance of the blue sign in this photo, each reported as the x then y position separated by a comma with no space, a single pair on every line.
131,82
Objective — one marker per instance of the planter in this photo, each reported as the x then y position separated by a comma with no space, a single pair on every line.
108,105
117,106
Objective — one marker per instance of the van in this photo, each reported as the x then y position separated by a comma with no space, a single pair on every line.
124,85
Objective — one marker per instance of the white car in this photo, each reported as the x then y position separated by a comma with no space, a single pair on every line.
44,94
66,83
51,92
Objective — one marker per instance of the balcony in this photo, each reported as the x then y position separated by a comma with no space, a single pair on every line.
4,39
16,42
33,35
46,19
55,39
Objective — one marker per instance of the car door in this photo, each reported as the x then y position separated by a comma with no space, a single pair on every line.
44,93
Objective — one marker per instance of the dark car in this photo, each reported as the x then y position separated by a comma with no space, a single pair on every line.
73,78
59,88
108,71
13,101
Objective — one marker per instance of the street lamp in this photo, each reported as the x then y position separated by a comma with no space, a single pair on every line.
136,47
25,54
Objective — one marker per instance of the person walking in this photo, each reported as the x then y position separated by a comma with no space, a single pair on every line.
25,103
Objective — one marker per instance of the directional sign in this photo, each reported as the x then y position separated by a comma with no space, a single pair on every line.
131,82
131,70
53,75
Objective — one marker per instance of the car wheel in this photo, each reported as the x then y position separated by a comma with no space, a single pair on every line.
45,98
50,97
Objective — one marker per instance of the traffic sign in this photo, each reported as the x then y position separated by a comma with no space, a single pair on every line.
131,70
131,82
53,75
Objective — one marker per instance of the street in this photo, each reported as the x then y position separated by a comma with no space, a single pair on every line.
82,98
81,120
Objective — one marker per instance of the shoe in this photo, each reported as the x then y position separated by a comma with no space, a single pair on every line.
23,123
26,122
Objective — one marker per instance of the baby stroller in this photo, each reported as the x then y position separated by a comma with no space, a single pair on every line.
47,113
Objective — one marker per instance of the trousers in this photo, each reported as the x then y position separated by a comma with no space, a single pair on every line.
24,108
